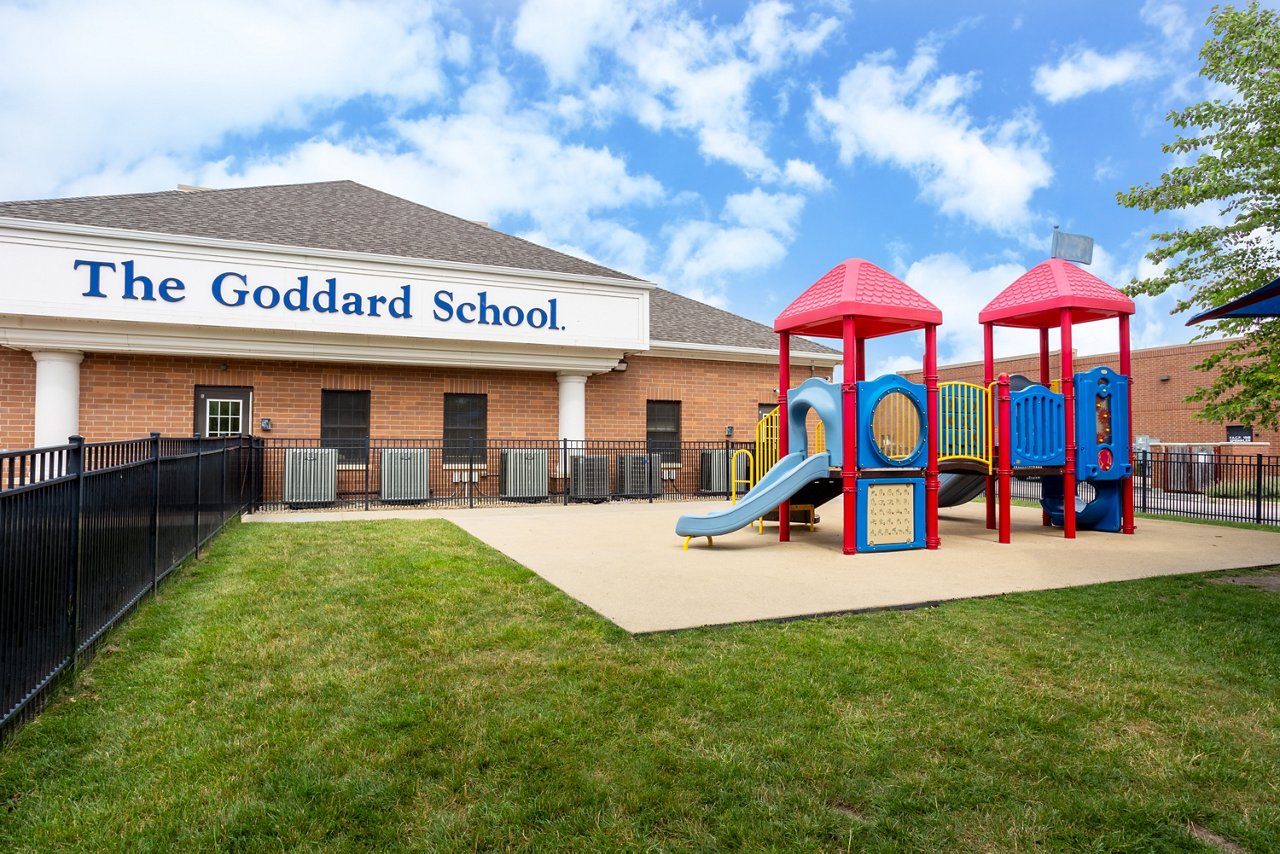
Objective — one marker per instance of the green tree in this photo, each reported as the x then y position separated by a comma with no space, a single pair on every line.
1228,151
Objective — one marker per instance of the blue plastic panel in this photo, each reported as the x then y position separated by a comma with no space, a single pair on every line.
823,398
1039,425
1102,425
870,452
905,521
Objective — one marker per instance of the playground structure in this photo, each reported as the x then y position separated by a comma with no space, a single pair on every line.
1080,432
897,451
880,427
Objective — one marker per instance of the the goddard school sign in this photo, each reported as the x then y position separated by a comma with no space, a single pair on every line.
47,273
233,289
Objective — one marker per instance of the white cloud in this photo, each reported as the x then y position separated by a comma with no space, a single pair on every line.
562,33
1171,19
753,234
915,119
1087,71
805,175
672,72
154,79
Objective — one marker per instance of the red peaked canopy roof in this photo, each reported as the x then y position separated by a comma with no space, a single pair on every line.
881,304
1036,299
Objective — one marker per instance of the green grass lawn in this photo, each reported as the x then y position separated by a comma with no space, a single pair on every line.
399,685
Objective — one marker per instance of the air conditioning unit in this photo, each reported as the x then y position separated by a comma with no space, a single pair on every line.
589,478
639,475
713,471
524,474
310,476
406,474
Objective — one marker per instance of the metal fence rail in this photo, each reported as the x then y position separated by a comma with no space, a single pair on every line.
1222,487
309,473
86,530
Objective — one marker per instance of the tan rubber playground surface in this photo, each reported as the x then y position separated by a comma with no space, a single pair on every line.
625,562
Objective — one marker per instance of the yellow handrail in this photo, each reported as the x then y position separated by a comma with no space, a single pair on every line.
749,481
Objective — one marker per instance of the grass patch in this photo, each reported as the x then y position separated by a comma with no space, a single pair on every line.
396,684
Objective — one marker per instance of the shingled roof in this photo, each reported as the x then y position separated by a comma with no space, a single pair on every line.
344,216
882,303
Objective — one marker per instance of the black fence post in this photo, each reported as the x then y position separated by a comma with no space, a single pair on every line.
565,482
1257,492
75,466
368,463
1148,475
199,455
471,463
155,511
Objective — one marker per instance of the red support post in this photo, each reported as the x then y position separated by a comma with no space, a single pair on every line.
988,376
862,362
931,538
849,421
1004,468
1069,405
784,384
1126,367
1044,381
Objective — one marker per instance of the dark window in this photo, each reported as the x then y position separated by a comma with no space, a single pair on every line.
662,421
466,417
763,409
344,424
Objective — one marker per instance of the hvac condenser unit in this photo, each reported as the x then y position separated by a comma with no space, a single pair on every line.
405,474
310,476
524,474
713,472
589,478
639,475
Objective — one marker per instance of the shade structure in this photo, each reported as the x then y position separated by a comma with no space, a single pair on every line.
1036,299
1264,302
882,304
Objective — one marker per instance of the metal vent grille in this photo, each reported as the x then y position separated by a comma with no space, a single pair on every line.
524,474
713,471
405,474
589,478
639,475
310,476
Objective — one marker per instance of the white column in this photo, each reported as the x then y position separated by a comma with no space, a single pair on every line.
57,396
573,406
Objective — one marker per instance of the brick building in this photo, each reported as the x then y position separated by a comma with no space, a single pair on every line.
1162,379
335,310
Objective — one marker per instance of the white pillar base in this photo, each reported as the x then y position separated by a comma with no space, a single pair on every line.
57,413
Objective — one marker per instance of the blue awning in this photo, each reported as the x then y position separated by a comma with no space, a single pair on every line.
1264,302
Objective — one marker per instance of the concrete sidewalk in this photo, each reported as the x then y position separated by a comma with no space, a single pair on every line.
625,561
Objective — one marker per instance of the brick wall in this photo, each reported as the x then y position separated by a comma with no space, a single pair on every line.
125,396
1160,409
17,399
713,395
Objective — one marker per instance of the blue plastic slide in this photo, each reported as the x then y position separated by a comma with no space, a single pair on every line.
791,474
1103,513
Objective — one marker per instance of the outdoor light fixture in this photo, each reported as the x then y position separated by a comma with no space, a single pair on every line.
265,424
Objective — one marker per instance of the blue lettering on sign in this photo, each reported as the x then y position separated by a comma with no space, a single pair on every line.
235,290
485,313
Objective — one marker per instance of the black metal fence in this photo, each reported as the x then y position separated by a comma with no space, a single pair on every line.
1224,487
309,473
86,530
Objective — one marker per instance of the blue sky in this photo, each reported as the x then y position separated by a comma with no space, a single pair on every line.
733,152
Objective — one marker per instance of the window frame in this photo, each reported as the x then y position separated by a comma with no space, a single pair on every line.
464,445
664,442
352,439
